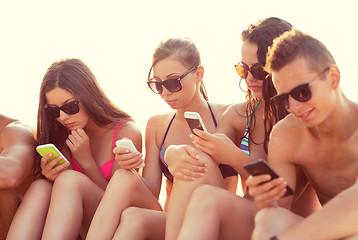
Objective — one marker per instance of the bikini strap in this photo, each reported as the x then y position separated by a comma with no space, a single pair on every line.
212,115
166,132
116,130
248,124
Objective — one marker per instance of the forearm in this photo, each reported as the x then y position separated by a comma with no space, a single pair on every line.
336,220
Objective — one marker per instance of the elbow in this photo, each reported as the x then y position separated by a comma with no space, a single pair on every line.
12,179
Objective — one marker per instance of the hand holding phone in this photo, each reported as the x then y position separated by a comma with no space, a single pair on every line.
46,149
194,121
127,143
260,167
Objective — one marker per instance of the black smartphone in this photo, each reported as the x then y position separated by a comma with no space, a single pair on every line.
260,167
194,121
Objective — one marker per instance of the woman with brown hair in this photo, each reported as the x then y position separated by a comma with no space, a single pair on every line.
176,75
76,116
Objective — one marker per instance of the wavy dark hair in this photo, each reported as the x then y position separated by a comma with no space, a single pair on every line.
76,77
263,33
184,50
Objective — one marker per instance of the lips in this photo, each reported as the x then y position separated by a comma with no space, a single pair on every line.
305,115
170,102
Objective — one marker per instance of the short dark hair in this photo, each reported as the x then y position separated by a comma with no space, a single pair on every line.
295,44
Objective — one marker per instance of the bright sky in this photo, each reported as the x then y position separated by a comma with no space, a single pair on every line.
117,38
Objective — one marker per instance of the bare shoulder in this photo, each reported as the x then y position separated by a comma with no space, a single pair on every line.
158,121
157,125
18,130
16,134
129,129
236,113
219,109
288,133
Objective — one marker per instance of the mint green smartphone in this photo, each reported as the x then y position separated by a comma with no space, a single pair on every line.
46,149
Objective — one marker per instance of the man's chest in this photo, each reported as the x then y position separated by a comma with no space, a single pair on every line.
330,167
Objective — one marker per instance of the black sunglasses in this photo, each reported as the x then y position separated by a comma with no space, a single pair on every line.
256,70
172,84
69,108
301,93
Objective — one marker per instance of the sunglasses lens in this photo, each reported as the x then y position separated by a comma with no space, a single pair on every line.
156,87
52,112
172,85
258,72
241,70
281,100
302,93
71,108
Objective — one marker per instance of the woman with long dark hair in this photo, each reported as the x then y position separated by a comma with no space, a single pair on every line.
76,116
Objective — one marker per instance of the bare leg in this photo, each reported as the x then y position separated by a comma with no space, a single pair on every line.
215,213
125,189
9,202
73,203
140,223
181,194
30,217
273,221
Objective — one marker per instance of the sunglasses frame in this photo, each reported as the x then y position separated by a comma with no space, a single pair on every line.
63,108
163,83
283,98
250,69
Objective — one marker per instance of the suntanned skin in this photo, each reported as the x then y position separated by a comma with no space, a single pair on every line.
320,138
17,152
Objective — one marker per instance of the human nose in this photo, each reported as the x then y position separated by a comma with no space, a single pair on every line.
63,115
250,77
293,104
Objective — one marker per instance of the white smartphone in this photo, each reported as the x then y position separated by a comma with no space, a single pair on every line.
194,121
46,149
127,143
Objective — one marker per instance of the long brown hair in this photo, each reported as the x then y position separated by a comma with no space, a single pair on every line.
76,77
184,50
263,33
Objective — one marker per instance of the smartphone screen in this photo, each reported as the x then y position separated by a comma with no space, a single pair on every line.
194,121
194,124
260,167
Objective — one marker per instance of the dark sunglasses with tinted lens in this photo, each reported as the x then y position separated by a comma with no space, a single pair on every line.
301,93
172,84
257,71
69,108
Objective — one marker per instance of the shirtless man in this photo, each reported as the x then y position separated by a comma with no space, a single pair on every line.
317,143
17,151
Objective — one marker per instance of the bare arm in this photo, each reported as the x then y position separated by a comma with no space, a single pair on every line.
268,193
338,219
17,155
221,146
152,173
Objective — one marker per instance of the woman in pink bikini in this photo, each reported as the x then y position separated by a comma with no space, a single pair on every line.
75,115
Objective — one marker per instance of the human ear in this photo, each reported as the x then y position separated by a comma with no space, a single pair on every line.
199,73
335,76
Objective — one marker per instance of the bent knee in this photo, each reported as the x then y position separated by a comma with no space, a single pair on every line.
127,178
40,186
205,196
133,217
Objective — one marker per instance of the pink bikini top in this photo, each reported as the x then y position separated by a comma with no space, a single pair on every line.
106,169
